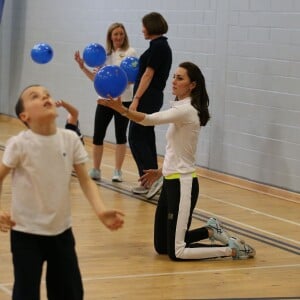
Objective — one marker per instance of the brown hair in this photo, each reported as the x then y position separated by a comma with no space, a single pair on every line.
200,100
19,107
155,23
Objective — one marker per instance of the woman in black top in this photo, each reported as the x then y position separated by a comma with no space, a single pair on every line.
155,64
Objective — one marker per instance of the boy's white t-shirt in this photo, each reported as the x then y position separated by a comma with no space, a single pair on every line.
115,59
41,175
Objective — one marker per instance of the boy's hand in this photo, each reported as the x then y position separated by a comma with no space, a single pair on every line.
59,103
6,223
112,219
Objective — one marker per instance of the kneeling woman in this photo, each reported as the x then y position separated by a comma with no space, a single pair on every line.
188,113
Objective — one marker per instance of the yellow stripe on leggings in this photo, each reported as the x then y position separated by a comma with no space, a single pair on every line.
177,176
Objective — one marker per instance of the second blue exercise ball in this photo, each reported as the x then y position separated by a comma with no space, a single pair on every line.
110,81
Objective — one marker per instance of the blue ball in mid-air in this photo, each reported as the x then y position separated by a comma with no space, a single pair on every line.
110,81
94,55
130,65
41,53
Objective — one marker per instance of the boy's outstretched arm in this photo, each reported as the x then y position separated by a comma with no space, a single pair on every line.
112,218
6,223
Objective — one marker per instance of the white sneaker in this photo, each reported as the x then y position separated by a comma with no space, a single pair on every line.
95,174
117,176
219,233
243,250
140,190
155,187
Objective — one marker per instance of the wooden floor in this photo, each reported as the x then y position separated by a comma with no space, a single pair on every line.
124,265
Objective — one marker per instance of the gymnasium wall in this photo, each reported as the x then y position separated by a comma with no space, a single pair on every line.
248,50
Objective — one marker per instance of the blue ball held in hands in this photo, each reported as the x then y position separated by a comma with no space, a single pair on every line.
130,65
110,81
94,55
41,53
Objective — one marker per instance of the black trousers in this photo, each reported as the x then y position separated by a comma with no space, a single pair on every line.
141,139
63,278
174,215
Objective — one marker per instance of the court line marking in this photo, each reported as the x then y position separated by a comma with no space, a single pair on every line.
122,190
250,226
264,239
5,289
249,233
220,181
2,147
148,275
280,244
189,272
251,209
234,205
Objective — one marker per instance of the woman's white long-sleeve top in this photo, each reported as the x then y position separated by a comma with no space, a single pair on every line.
182,136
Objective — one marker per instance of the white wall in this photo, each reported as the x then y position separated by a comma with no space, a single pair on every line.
248,50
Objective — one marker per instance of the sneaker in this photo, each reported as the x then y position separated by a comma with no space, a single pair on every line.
243,250
219,233
95,174
155,187
117,176
140,190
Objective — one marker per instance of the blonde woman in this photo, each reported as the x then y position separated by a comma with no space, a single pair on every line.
117,48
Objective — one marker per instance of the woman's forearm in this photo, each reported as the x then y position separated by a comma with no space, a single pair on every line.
133,115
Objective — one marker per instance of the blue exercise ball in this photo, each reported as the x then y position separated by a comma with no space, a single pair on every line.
110,81
130,65
41,53
94,55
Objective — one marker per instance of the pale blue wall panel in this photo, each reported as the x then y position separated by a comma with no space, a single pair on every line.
248,50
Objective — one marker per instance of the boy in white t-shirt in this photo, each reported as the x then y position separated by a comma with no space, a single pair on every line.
42,159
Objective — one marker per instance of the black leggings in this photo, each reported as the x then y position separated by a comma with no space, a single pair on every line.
103,117
173,219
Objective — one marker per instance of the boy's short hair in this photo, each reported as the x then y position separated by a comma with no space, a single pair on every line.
19,107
